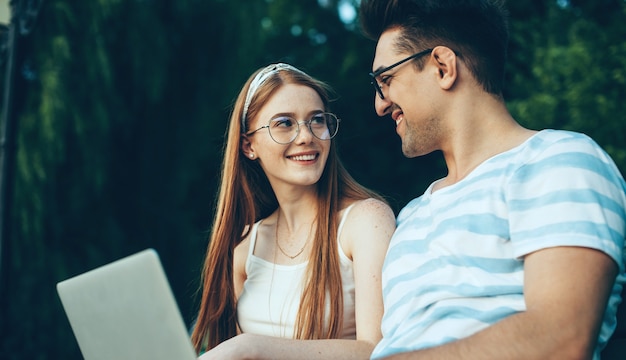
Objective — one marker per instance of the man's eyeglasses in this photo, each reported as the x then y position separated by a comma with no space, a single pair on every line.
377,73
284,129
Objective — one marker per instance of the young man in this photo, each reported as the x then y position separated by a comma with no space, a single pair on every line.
518,253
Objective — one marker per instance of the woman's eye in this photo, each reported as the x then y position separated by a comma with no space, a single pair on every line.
385,79
282,122
318,120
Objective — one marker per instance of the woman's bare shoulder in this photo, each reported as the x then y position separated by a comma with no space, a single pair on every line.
371,207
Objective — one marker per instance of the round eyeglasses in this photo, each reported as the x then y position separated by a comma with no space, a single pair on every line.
284,129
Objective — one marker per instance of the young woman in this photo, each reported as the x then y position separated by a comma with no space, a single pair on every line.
297,246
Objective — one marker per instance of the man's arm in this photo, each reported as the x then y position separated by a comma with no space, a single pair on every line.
566,290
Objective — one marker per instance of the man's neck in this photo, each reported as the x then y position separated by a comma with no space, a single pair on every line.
480,128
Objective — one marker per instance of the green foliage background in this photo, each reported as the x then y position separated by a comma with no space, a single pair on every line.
122,104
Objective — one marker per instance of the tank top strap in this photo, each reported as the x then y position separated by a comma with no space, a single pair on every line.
344,216
253,234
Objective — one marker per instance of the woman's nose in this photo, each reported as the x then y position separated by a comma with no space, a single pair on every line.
304,133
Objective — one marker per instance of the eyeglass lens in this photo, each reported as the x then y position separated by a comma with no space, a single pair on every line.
284,129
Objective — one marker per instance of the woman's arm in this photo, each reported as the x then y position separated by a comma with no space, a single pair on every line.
365,239
251,346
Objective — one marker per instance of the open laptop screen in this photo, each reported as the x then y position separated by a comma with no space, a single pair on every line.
126,310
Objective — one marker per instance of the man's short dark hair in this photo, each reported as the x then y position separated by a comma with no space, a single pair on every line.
477,30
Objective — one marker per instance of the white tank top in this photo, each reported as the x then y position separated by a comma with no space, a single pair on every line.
270,299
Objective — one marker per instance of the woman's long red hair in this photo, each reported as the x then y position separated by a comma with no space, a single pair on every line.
245,196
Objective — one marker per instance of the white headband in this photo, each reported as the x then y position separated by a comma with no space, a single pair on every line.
258,80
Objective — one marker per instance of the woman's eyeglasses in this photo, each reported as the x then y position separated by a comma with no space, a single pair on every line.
284,129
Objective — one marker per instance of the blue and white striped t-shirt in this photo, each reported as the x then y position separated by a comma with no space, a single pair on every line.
455,263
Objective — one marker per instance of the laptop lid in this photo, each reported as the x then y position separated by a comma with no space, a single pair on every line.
126,310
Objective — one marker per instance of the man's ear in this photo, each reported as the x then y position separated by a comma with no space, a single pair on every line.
446,62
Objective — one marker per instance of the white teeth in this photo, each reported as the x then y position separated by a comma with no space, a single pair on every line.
303,157
399,119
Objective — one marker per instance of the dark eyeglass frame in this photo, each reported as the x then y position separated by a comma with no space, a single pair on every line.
298,123
377,73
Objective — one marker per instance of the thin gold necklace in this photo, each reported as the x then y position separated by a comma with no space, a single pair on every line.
281,249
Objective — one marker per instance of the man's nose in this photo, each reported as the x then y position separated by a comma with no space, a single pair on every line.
382,106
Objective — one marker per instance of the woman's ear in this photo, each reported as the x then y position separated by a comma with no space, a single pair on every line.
246,148
446,61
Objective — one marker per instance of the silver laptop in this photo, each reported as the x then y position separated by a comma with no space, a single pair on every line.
126,310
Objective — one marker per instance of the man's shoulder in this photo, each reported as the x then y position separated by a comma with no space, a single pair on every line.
549,137
561,146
